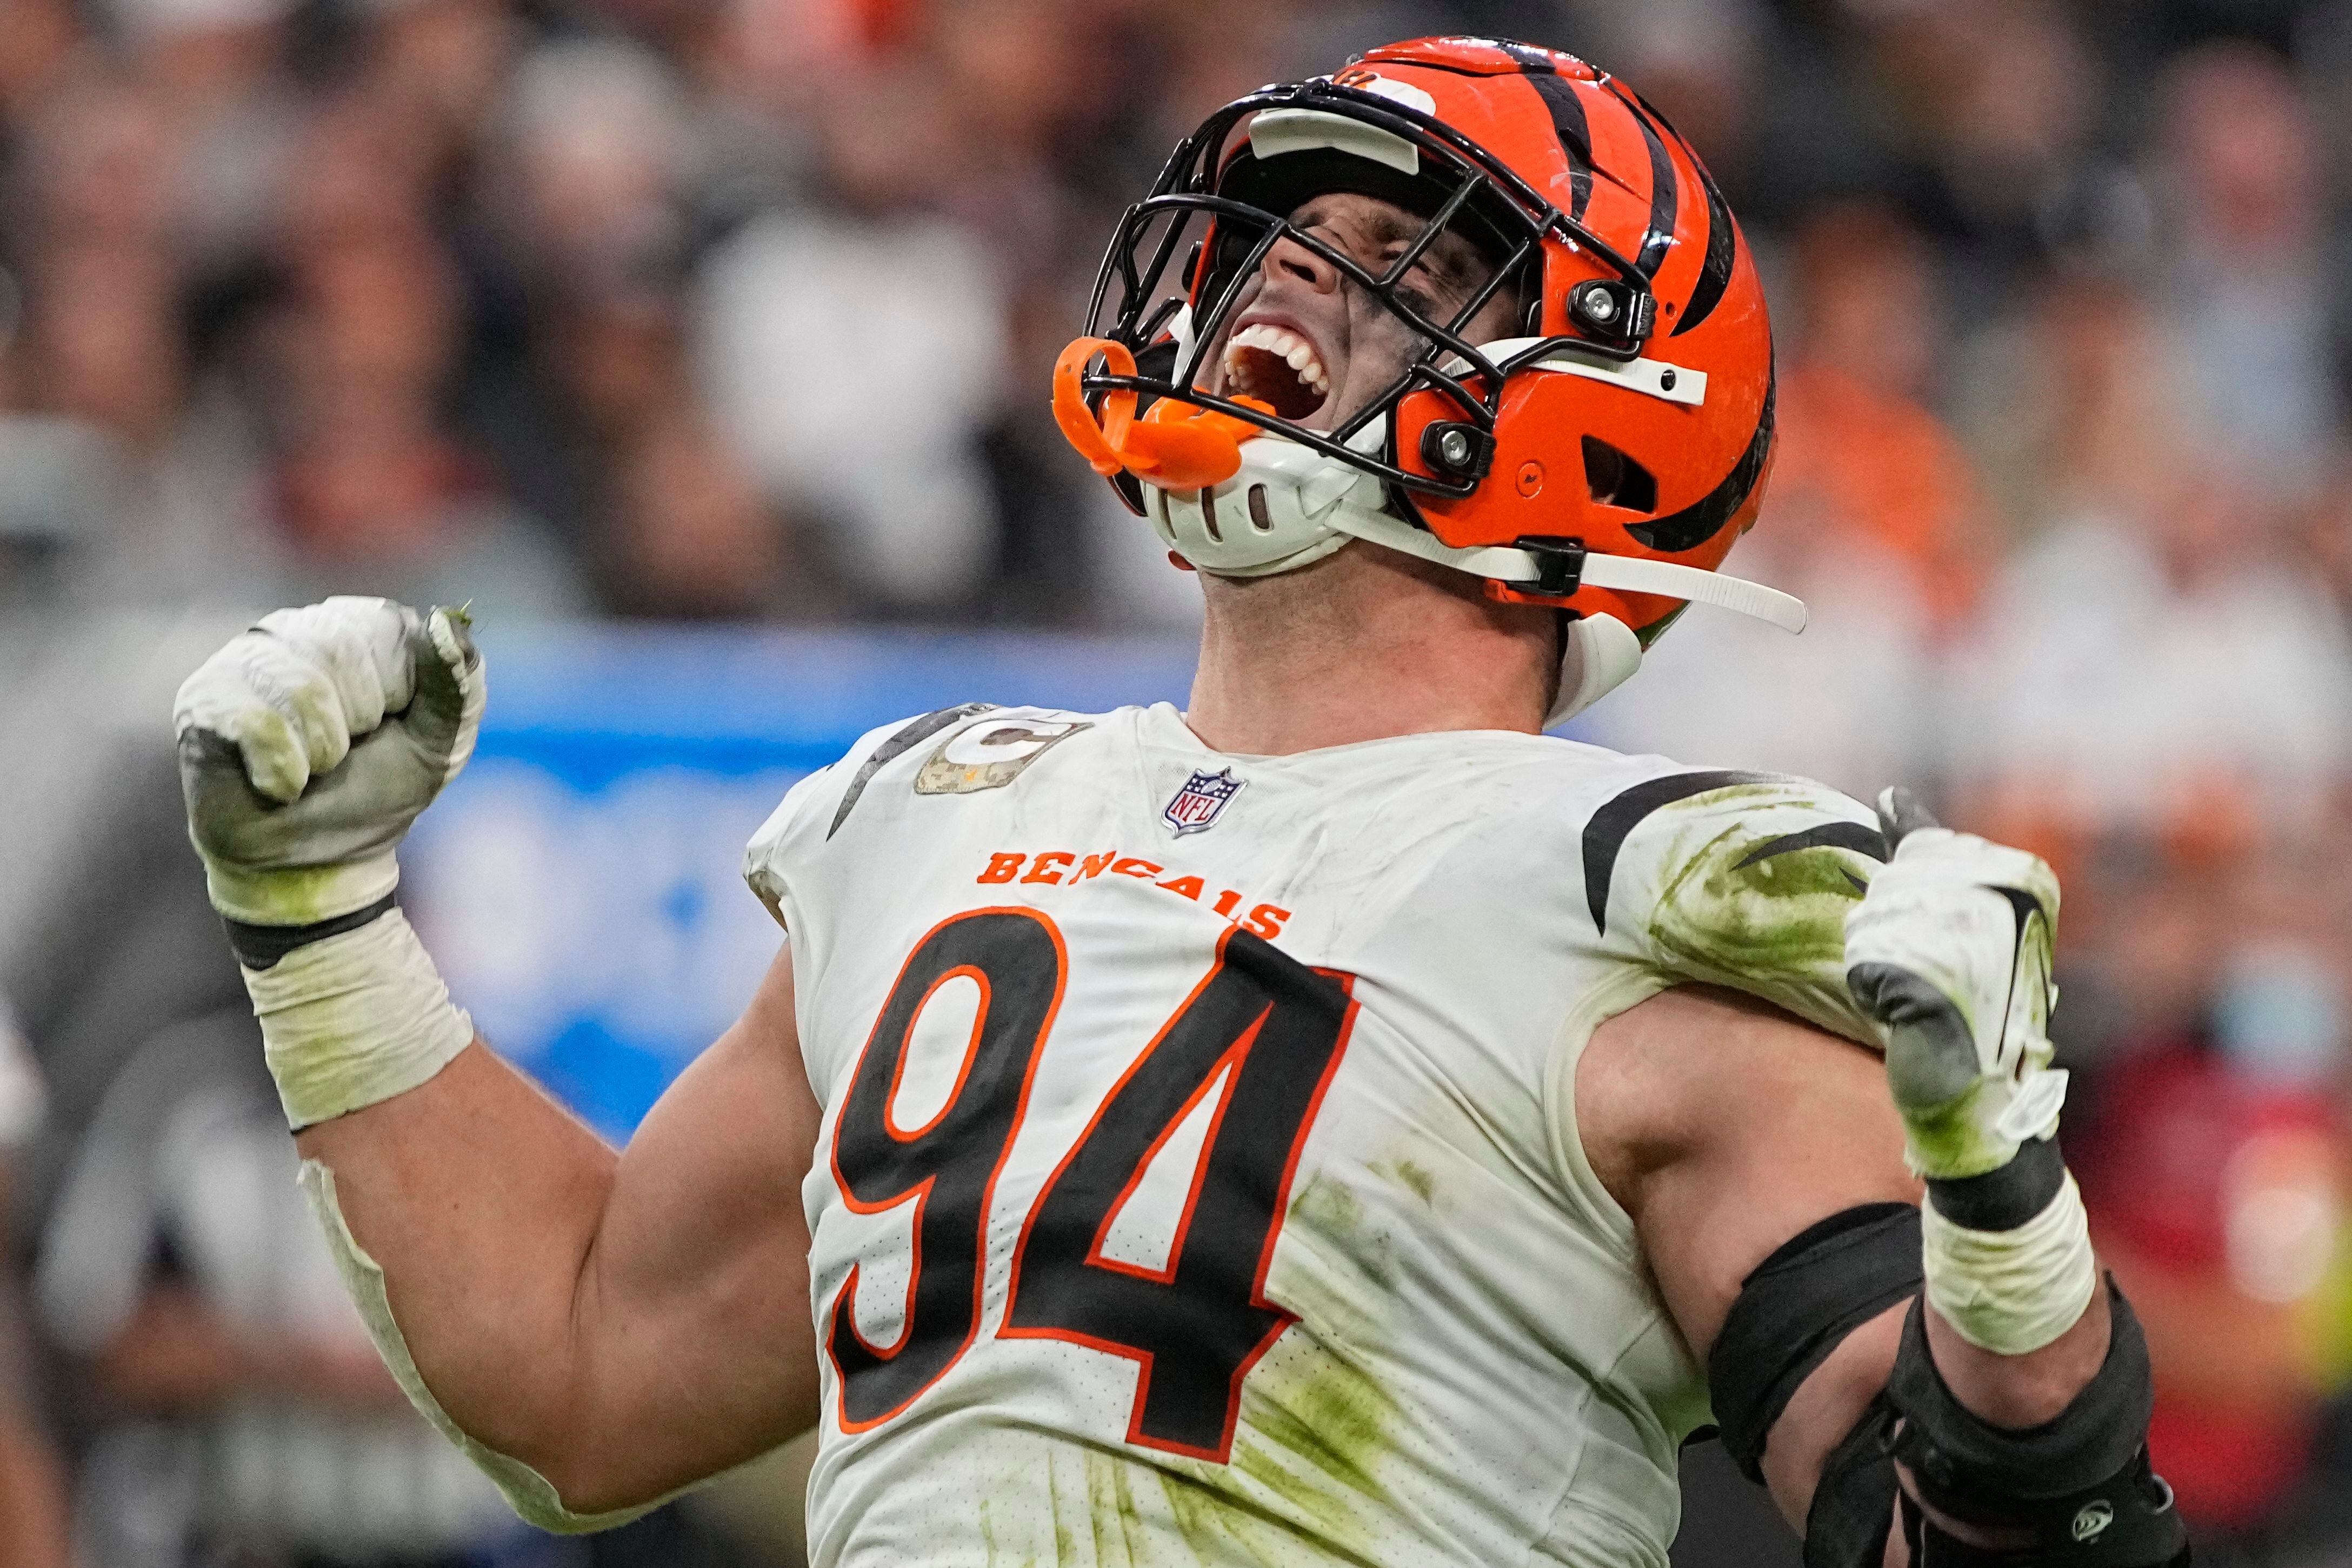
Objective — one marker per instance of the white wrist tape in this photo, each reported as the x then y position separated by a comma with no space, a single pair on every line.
2011,1291
353,1019
531,1495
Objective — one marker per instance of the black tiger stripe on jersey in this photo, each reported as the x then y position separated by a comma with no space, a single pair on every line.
1860,836
908,737
1605,835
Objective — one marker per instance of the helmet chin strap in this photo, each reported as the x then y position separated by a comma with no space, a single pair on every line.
1600,653
1632,574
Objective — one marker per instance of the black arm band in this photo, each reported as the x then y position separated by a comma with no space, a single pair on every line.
261,946
1798,1306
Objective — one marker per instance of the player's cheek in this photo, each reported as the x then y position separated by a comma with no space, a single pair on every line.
1379,346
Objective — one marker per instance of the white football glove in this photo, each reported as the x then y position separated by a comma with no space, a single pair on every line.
307,745
1949,951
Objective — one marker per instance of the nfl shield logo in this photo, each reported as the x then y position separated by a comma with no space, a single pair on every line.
1202,801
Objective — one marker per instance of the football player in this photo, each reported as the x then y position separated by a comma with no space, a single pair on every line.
1334,1124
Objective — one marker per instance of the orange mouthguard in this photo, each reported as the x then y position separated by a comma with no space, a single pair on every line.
1177,447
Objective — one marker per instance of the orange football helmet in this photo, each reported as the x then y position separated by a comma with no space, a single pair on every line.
1603,460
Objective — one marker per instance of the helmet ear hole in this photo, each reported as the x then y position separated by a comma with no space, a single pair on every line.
1614,479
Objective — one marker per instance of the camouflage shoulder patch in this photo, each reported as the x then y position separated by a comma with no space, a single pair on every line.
991,756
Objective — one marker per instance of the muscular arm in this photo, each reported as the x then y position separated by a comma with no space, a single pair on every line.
1726,1128
623,1323
596,1329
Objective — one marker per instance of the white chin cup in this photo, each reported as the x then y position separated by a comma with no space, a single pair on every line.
1601,655
1278,514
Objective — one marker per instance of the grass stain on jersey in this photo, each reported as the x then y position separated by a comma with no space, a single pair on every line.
1416,1177
1315,1424
1313,1429
1065,1540
1303,1478
1110,1502
1774,927
1333,1420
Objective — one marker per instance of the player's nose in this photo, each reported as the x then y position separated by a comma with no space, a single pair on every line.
1287,260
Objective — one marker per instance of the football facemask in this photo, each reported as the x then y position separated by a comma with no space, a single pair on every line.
1601,459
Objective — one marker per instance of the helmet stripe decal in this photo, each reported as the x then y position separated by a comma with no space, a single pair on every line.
1568,123
1703,519
1664,195
1722,242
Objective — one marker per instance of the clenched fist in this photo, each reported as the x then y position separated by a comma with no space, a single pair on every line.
307,745
1949,951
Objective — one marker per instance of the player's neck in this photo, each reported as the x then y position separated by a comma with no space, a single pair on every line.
1364,645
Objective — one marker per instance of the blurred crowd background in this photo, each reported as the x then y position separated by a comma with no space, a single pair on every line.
742,310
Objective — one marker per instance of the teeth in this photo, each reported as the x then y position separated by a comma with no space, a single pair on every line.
1286,346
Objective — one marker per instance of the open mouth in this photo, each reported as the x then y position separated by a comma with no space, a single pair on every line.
1276,364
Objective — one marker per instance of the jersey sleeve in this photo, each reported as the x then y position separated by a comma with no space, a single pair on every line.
1741,880
786,850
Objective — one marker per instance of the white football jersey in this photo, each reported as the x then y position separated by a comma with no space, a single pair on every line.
1198,1181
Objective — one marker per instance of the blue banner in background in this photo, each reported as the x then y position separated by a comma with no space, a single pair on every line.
581,883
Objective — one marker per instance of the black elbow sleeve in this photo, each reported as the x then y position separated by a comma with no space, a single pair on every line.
2079,1485
2077,1490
